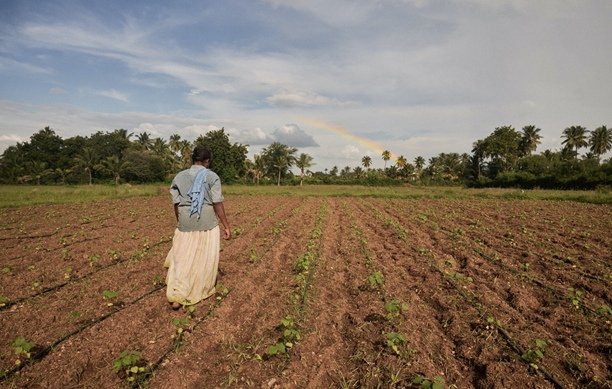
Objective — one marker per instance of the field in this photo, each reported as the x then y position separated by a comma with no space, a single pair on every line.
370,288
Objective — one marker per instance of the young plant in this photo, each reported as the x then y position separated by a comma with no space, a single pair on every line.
376,279
129,366
426,383
534,355
290,335
395,340
3,300
394,308
575,296
22,347
109,295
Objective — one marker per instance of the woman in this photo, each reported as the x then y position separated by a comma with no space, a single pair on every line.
193,259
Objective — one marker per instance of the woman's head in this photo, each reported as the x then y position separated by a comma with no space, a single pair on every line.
201,154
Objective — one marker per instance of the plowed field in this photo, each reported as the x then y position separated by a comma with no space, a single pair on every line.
313,292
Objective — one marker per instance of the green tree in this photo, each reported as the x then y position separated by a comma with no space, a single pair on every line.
502,148
600,141
386,156
366,161
419,163
530,139
45,146
114,166
227,159
303,162
278,158
143,166
144,140
87,160
575,138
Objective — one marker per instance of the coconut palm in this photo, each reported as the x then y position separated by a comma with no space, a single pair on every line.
575,138
303,162
366,161
419,163
386,155
278,158
600,141
87,160
144,140
113,165
530,139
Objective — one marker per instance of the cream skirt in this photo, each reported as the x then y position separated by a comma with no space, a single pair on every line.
192,266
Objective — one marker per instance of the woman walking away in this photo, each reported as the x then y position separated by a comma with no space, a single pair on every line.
193,259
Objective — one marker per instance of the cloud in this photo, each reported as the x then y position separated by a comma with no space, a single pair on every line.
57,91
303,99
111,94
351,152
252,137
293,135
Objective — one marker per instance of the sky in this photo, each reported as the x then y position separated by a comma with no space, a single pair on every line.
337,79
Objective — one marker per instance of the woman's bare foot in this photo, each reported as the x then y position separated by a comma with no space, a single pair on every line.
175,306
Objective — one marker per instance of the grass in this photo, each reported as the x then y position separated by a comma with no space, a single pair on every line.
22,195
423,192
16,196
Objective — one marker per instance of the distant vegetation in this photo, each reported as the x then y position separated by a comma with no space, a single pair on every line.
505,158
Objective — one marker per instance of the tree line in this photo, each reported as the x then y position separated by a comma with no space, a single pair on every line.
505,158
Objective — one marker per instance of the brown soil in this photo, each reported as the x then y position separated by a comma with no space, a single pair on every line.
474,284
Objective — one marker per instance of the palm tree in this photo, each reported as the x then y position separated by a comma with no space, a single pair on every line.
185,149
600,141
278,158
386,155
114,166
144,140
303,162
123,133
401,161
87,160
575,138
366,161
175,143
530,139
419,162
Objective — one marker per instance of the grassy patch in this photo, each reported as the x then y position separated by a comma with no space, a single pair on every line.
23,195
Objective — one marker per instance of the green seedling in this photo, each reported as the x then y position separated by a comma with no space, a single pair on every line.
426,383
603,310
3,300
395,340
534,355
253,256
236,231
290,335
22,347
221,291
394,308
109,295
67,272
376,279
93,260
6,270
575,296
129,366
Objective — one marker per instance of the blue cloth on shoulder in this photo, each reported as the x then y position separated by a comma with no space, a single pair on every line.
196,193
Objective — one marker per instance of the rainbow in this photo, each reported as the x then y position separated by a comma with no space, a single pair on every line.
346,134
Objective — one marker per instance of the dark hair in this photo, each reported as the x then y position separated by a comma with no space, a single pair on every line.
200,154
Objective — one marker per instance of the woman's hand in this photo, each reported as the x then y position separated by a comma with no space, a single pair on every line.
227,233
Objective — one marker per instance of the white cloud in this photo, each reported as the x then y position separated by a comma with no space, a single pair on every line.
351,152
111,94
293,135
